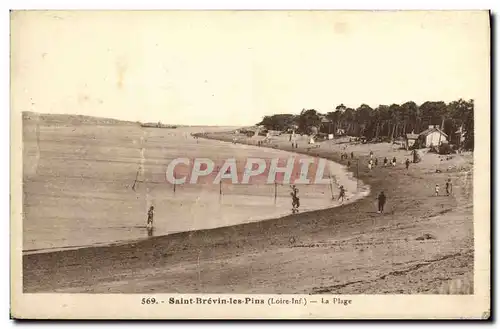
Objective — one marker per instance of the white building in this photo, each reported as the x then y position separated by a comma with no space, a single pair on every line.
433,136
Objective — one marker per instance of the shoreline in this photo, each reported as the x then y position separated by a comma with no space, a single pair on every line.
363,191
154,264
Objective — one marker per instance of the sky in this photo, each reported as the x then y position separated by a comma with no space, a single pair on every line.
232,68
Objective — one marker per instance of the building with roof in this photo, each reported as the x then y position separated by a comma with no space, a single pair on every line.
459,138
433,136
411,139
326,124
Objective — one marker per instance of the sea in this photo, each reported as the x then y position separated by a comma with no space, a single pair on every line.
92,184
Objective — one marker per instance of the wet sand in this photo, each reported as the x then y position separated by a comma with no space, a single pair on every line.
345,250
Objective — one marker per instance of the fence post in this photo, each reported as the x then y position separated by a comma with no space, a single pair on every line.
275,191
357,176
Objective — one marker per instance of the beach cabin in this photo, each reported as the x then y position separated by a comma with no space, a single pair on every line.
411,139
326,125
433,136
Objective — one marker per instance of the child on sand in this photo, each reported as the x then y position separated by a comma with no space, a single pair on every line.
407,163
342,193
370,164
151,213
394,162
385,161
381,202
436,190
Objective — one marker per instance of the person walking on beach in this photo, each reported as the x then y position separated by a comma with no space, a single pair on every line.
376,162
371,154
436,190
370,164
407,163
385,161
352,155
381,202
342,193
448,187
151,213
295,199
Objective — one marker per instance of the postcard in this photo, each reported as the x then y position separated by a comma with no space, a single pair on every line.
250,164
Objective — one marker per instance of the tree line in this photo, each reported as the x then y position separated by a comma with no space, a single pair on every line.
385,122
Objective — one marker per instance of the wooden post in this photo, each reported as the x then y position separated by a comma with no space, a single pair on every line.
357,175
275,191
331,186
220,187
135,182
174,186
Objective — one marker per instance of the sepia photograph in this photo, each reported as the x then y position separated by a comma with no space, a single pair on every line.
250,164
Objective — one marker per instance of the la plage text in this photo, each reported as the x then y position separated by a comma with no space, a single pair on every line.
221,301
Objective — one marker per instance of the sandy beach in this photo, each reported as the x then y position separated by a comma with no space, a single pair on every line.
422,244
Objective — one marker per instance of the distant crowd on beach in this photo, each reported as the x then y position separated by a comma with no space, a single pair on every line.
373,162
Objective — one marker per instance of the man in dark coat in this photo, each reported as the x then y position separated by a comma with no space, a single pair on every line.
381,202
448,187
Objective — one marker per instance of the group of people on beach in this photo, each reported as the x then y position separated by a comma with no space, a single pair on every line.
381,198
448,187
373,163
393,161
